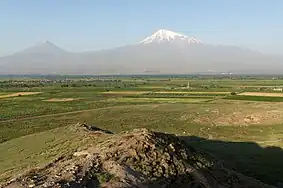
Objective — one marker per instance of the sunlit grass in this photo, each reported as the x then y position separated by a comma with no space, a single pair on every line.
159,100
191,92
126,92
36,150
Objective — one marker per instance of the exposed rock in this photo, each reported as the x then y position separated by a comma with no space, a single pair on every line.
94,128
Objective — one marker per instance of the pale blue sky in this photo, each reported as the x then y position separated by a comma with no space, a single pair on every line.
78,25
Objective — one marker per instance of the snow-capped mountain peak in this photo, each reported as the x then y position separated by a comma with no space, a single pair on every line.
164,35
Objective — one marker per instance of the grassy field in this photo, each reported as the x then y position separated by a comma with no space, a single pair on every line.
35,129
158,100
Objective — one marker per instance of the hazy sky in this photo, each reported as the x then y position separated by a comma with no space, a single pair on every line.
78,25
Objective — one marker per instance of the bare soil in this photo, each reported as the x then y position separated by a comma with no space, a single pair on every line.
18,94
60,99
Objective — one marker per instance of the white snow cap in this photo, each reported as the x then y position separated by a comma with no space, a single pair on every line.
164,35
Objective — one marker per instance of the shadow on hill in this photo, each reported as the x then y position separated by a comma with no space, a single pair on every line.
95,128
248,158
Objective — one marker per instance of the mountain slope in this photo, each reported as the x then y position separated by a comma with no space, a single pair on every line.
44,57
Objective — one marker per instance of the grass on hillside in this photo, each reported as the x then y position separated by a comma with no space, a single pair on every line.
21,154
141,110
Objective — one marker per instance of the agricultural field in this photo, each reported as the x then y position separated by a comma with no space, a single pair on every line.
238,119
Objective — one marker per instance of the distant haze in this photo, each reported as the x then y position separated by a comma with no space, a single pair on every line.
163,52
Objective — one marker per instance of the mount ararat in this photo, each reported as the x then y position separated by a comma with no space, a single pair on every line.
164,52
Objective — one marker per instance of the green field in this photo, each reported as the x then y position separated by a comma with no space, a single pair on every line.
255,98
245,131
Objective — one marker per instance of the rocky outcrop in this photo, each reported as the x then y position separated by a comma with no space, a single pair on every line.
139,158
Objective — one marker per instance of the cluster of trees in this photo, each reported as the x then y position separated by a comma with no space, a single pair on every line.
108,84
20,85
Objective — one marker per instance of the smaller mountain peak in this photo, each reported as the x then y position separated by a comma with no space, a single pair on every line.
44,47
47,42
164,35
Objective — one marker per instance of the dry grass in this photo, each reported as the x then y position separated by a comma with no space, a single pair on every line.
60,99
237,114
261,94
18,94
191,92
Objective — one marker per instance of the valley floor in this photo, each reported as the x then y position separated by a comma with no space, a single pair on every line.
242,129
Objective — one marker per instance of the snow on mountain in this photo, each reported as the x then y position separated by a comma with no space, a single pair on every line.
163,35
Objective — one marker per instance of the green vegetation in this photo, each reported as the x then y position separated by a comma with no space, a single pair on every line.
20,154
255,98
33,129
158,100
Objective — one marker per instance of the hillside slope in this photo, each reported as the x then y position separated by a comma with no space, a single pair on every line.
140,158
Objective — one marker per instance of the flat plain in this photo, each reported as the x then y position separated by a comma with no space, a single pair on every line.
238,119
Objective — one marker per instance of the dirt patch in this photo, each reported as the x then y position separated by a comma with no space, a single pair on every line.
60,99
18,94
261,94
244,118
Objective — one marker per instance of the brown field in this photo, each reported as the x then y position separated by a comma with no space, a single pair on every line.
262,94
60,99
18,94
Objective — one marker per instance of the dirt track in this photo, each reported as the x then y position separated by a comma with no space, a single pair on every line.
60,99
18,94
